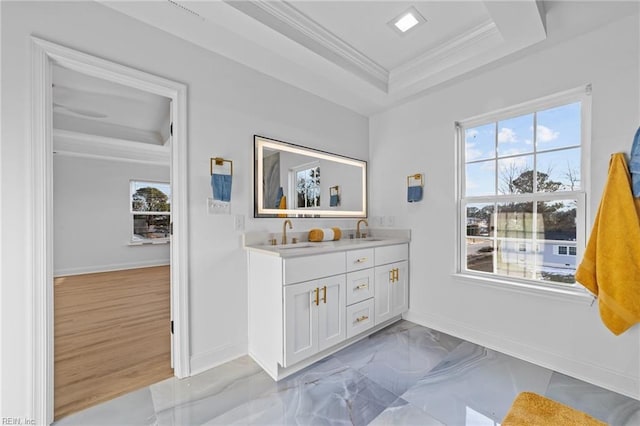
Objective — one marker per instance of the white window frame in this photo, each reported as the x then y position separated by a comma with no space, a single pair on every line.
133,240
581,94
293,184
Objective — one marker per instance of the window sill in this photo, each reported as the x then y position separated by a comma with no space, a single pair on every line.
149,242
574,293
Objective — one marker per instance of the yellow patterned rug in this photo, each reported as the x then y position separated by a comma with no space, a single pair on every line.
530,409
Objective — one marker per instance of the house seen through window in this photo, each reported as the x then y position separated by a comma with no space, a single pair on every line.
522,197
150,210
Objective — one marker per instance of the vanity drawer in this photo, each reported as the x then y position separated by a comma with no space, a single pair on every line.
359,317
391,254
299,269
359,259
360,286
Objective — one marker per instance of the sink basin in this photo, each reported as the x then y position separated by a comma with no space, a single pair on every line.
295,246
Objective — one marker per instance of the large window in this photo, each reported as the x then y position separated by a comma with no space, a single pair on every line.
522,191
150,210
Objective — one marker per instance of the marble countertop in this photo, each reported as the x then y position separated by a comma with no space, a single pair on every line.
306,248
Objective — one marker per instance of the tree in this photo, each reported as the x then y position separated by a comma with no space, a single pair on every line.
308,187
150,199
507,175
556,217
523,184
573,176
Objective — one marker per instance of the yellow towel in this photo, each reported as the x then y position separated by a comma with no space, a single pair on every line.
328,234
610,268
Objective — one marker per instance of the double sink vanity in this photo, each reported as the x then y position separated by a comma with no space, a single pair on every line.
308,300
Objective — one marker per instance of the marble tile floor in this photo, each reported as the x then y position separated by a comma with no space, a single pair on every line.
403,375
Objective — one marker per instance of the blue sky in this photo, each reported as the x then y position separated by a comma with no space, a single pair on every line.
557,128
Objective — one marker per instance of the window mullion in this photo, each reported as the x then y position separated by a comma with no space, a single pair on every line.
534,238
495,160
535,153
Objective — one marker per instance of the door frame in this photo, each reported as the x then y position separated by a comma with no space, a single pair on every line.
43,55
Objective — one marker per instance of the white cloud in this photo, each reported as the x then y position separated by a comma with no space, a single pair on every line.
473,154
507,135
546,134
514,163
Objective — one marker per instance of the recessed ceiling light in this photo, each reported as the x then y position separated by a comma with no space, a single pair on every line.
407,20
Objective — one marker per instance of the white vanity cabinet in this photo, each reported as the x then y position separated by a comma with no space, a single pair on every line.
391,282
314,317
306,303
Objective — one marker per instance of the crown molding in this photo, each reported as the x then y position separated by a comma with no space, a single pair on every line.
460,48
298,26
93,146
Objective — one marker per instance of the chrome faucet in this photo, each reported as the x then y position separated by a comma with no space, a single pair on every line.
358,233
284,230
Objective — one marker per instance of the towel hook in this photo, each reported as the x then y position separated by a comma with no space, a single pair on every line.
219,161
417,176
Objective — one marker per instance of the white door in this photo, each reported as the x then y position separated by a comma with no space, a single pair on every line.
383,282
300,321
331,312
400,288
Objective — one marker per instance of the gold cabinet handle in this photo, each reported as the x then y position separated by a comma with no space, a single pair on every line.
324,294
362,318
391,275
361,260
361,286
317,290
396,274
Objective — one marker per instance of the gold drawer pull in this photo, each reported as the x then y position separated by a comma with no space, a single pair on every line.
317,290
362,318
396,274
324,294
361,260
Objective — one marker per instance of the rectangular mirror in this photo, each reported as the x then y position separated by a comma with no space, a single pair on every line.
294,181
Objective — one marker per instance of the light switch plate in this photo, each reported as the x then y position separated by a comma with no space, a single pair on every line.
218,207
239,222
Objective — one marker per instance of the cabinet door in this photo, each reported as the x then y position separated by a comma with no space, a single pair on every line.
300,321
331,312
383,295
400,289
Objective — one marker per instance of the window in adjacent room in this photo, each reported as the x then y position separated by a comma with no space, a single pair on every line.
522,191
306,184
150,210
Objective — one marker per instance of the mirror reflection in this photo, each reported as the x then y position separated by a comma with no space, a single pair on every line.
294,181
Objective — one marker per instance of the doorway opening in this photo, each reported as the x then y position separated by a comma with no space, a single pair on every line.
53,63
111,250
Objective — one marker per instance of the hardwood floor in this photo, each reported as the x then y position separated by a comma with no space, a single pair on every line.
111,335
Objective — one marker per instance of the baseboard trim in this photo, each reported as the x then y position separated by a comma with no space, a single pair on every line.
110,268
215,357
591,373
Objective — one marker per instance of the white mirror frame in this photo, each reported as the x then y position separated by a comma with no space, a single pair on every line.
260,143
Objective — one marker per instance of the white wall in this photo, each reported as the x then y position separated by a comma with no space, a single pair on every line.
419,137
91,219
227,105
